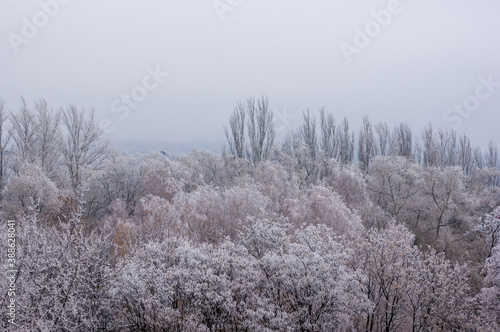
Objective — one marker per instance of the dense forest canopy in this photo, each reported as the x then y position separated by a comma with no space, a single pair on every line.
329,229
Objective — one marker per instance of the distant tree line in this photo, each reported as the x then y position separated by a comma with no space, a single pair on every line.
251,135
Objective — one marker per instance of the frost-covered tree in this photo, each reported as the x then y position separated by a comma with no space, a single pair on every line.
235,135
328,141
211,214
320,205
120,178
61,278
403,140
444,191
159,178
383,139
261,131
48,137
259,128
308,134
491,293
84,148
301,148
409,290
308,285
276,183
489,229
31,186
393,184
203,167
36,134
24,133
346,143
366,144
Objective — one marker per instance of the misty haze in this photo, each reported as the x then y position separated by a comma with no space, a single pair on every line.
235,165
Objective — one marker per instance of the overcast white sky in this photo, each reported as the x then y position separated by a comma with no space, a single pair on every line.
90,53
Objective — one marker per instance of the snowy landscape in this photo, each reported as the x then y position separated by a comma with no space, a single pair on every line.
247,166
266,235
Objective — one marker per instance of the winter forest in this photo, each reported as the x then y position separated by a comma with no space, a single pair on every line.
330,228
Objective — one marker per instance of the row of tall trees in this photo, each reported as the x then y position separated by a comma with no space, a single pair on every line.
438,148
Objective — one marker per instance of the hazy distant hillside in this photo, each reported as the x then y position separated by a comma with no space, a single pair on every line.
171,148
